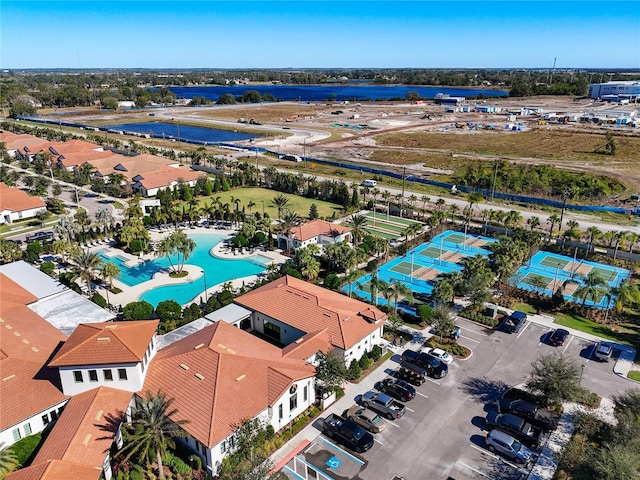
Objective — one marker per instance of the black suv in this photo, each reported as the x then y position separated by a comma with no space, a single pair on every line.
398,389
431,364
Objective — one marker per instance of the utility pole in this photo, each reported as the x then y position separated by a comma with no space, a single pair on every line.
404,176
257,169
495,178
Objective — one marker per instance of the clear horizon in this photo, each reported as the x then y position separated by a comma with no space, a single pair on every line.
319,34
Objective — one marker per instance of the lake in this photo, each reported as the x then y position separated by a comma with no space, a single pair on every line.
183,133
316,93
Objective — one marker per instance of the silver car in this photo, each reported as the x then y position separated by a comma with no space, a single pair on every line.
508,446
603,352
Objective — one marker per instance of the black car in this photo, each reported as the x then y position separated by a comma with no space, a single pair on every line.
431,364
398,389
558,337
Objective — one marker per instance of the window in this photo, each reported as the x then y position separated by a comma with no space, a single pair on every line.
54,415
280,415
223,447
93,375
305,393
77,376
122,374
271,330
27,428
293,401
16,434
108,375
45,419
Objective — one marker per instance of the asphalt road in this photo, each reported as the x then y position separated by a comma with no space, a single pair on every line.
442,434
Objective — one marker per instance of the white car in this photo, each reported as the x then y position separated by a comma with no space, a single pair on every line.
439,354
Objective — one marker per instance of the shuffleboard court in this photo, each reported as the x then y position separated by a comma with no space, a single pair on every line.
391,219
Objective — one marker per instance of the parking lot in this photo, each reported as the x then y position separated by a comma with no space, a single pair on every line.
442,434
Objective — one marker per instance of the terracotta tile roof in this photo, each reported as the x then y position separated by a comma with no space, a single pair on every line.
315,228
133,165
15,200
86,429
26,343
308,345
221,375
106,343
56,470
310,308
72,146
74,159
166,175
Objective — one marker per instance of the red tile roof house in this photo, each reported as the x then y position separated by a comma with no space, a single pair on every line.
30,394
293,312
23,145
316,232
114,354
79,445
16,204
221,375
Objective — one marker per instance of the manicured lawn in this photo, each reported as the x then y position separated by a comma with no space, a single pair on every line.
634,375
627,334
297,204
525,307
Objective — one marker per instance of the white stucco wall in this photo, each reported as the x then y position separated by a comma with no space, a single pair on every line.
13,216
288,334
35,422
364,345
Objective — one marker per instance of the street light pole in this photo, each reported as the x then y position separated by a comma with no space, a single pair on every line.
257,168
204,276
304,146
262,202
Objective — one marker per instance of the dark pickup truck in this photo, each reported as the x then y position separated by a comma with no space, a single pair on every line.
431,364
517,427
348,433
514,322
537,417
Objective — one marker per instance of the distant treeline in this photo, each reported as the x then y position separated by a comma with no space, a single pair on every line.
69,88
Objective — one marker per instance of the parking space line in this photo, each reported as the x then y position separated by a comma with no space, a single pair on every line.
568,343
433,381
422,394
470,339
410,409
474,470
497,457
376,440
523,330
394,424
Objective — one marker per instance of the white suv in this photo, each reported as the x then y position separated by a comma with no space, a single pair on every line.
603,352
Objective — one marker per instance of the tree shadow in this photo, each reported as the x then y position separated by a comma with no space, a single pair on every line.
487,391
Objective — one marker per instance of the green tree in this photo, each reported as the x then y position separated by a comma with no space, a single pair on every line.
358,222
443,292
313,211
442,322
280,202
138,310
249,459
8,462
109,271
9,251
33,252
593,287
168,311
153,430
554,378
330,368
177,245
86,264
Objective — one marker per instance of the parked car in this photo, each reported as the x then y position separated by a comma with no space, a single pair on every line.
439,354
514,322
368,419
538,417
515,426
384,404
411,373
433,366
558,337
508,446
348,433
396,388
603,351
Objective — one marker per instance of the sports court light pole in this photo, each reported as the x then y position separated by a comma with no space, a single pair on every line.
204,276
412,256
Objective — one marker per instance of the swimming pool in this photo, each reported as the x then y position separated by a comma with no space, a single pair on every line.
217,271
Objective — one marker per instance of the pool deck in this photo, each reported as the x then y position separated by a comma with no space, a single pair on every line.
132,294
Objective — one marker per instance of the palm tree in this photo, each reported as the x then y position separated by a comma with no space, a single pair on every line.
424,199
553,220
153,430
86,264
400,289
66,228
289,220
593,287
619,238
625,294
594,233
533,222
358,223
250,205
280,202
512,219
453,210
8,461
473,198
109,271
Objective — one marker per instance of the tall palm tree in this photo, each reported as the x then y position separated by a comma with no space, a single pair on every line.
86,263
512,219
594,233
8,461
533,222
358,222
280,202
619,237
553,220
152,429
400,289
593,287
66,228
289,220
473,198
109,271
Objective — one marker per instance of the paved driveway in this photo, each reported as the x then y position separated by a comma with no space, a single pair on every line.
442,434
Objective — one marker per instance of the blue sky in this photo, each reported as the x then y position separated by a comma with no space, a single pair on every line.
319,34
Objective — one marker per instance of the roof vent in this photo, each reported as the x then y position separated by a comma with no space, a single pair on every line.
223,347
9,327
300,340
35,349
241,377
346,318
111,326
200,345
25,341
199,376
103,339
98,415
86,439
232,352
17,333
326,315
9,377
184,367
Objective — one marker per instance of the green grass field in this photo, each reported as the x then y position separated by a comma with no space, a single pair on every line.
297,204
626,334
392,219
634,375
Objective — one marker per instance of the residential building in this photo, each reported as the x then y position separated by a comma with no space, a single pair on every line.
290,310
30,394
221,375
114,354
78,446
315,232
17,205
